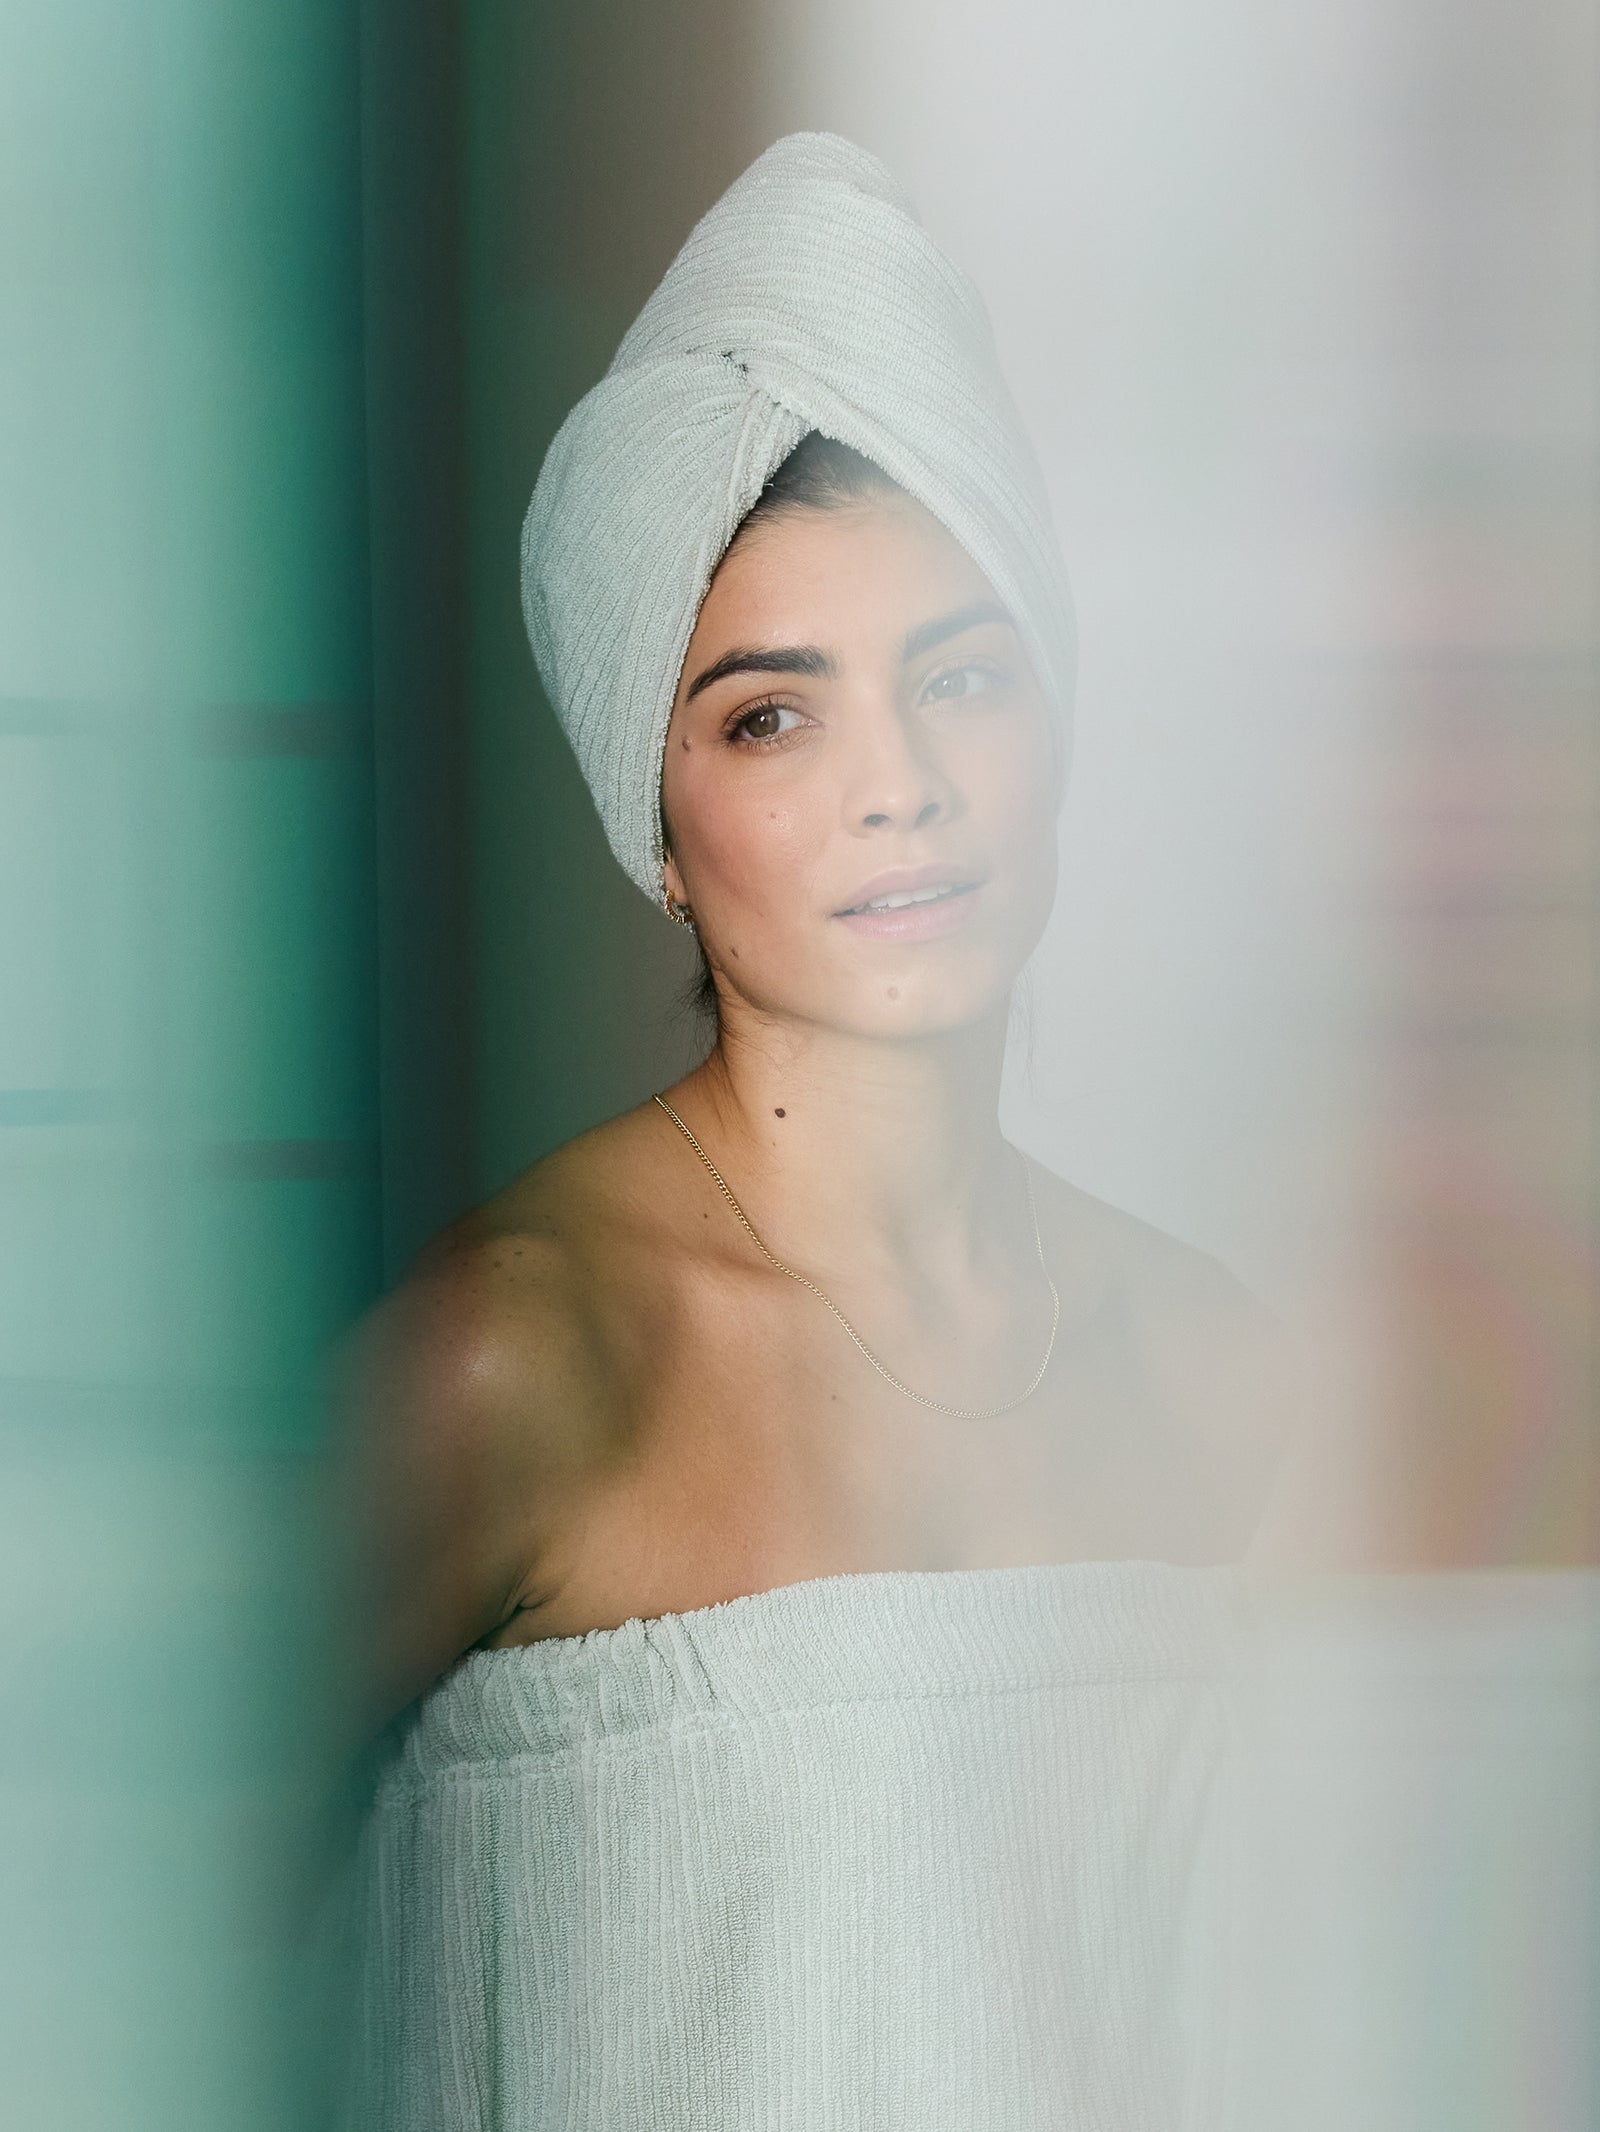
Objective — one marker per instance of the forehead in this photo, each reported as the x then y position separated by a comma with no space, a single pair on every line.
855,576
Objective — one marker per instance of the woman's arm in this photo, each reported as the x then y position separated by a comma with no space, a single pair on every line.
447,1447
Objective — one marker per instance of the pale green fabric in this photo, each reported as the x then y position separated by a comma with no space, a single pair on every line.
900,1851
808,298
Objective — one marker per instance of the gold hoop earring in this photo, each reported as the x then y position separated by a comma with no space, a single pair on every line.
679,913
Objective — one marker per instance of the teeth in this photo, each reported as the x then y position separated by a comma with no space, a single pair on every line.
900,900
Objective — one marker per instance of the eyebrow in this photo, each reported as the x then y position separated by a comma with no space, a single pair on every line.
927,634
787,659
818,665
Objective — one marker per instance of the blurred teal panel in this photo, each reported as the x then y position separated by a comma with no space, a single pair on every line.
280,999
86,1240
278,1266
155,1768
188,1084
181,442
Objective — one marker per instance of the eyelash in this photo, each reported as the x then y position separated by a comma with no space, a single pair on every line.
736,737
986,667
739,739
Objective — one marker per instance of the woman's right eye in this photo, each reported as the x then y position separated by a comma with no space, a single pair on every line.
765,721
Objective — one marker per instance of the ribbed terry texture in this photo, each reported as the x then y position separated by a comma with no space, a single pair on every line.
809,297
895,1852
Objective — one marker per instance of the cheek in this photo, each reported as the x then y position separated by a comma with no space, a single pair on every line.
742,849
1010,779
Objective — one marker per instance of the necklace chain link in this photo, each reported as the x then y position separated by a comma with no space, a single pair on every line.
939,1406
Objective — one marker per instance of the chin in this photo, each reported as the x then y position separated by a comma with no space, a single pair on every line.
938,1011
919,998
936,993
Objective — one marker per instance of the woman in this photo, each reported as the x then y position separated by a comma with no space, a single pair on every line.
801,1512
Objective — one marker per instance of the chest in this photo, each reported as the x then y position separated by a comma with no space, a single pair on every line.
760,1447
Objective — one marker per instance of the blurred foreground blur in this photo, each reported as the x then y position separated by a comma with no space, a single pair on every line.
307,938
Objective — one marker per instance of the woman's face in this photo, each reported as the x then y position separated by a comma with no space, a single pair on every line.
860,787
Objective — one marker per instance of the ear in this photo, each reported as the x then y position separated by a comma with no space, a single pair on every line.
671,879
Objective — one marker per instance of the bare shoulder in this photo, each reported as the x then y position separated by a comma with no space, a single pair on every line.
1218,1360
502,1318
474,1400
1101,1247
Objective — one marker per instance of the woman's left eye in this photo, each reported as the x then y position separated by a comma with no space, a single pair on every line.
959,681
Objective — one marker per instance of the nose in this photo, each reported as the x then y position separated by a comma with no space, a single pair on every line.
894,779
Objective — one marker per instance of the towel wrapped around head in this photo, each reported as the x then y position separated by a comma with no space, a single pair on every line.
808,298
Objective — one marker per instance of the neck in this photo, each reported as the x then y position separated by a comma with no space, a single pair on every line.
893,1145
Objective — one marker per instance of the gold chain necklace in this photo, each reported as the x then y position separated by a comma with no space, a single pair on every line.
939,1406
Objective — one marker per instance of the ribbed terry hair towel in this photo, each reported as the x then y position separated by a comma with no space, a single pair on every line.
809,297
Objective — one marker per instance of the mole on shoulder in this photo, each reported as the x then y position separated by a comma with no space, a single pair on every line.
780,1114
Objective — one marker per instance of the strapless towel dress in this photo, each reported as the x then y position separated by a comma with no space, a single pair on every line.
898,1851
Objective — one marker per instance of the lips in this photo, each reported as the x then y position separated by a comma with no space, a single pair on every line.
915,903
908,888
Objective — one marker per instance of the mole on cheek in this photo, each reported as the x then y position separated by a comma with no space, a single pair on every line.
780,1114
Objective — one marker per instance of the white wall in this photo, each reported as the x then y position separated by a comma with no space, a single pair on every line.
1210,239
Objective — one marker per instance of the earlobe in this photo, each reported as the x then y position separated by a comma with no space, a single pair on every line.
673,900
671,880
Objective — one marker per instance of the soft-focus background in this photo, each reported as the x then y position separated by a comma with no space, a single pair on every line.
308,938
